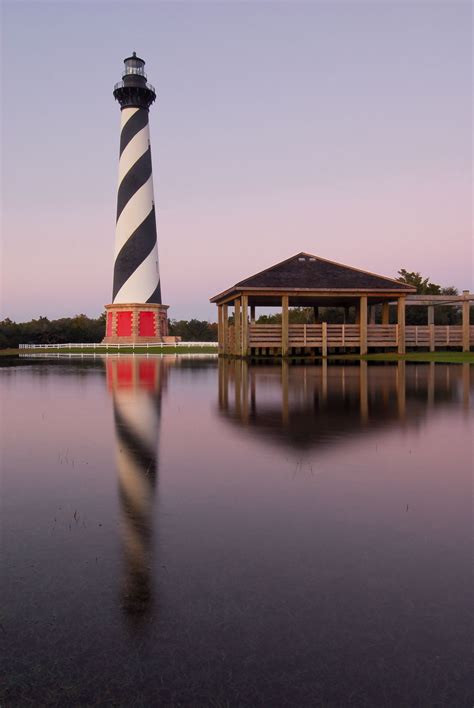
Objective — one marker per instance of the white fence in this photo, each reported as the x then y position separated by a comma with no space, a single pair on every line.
111,347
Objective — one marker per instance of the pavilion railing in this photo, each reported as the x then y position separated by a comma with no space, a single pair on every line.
379,335
266,335
304,335
436,335
348,335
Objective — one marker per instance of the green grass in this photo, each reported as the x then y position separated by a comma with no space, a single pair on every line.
441,357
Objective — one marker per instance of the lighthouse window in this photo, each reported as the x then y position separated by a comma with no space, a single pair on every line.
137,70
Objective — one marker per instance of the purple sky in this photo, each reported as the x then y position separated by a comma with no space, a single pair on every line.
338,128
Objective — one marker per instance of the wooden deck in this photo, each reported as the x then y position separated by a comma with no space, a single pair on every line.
266,338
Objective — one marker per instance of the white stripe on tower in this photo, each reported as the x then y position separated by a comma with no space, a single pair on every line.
132,216
145,273
136,269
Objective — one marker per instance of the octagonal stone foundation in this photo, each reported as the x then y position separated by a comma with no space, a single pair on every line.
130,323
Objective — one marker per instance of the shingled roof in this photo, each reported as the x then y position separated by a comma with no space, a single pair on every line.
309,272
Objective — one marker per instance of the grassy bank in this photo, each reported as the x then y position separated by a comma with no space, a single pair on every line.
441,357
422,357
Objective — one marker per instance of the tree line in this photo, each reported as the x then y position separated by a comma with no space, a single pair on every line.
83,329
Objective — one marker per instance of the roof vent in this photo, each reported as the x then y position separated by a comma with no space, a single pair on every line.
301,258
312,259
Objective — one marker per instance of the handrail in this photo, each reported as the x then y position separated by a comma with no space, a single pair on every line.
121,84
129,345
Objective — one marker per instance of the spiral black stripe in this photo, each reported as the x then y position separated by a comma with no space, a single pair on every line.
156,295
136,256
135,178
133,126
134,251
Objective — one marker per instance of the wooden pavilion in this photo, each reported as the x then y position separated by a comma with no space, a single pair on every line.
306,280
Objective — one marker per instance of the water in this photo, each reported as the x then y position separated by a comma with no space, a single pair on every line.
179,533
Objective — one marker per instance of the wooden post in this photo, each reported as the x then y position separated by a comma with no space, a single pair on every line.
220,330
245,325
363,324
237,342
385,313
324,349
430,314
252,314
225,328
401,324
431,328
465,321
316,315
357,313
284,325
372,314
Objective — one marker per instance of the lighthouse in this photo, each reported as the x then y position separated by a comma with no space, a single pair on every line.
136,313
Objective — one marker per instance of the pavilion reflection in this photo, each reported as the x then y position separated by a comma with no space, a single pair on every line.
313,405
137,385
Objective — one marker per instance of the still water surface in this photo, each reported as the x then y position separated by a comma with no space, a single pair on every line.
178,532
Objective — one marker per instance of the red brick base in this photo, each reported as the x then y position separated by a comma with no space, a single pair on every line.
130,323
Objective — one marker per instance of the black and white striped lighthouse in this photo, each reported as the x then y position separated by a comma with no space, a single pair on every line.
136,313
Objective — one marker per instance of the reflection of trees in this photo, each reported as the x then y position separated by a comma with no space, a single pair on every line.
136,385
304,406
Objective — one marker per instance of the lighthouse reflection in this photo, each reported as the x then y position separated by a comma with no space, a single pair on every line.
136,386
317,405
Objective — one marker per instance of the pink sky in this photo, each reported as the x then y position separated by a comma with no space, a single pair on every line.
342,129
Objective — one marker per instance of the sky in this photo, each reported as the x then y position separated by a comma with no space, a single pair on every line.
338,128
